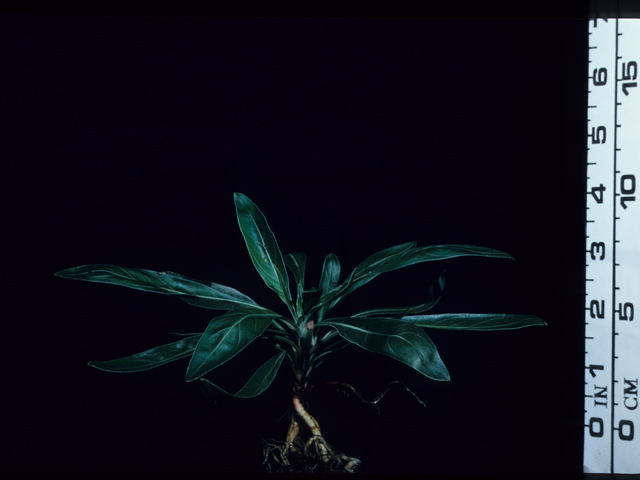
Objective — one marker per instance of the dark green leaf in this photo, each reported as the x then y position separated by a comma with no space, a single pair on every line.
397,312
330,273
378,260
258,382
208,303
397,339
240,298
400,257
433,296
474,321
225,337
413,256
333,295
310,299
263,247
169,283
440,252
152,358
329,279
296,263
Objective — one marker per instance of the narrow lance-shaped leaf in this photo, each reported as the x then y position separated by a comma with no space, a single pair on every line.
309,300
381,258
405,257
413,256
241,299
258,382
168,283
296,263
330,273
433,297
225,337
152,358
369,269
328,279
474,321
263,247
397,339
333,295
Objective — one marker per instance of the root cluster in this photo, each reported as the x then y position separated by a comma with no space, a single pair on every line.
315,454
298,456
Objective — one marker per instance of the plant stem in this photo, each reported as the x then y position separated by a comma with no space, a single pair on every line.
313,426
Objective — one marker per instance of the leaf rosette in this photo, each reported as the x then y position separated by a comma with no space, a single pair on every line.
308,335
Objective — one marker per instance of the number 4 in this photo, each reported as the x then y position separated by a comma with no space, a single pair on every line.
597,193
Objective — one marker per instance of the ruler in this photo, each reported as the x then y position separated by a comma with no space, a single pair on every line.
612,300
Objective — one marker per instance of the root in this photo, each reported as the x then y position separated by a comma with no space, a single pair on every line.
295,455
315,454
346,386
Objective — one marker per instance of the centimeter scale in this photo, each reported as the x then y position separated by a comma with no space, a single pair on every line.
612,326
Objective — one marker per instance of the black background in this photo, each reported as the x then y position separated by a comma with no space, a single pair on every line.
128,136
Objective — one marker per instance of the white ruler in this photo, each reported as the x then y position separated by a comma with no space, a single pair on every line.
612,302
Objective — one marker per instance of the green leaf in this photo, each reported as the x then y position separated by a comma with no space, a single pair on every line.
258,382
333,295
330,273
440,252
397,339
296,263
225,337
403,256
168,283
364,272
380,259
397,312
263,247
474,321
152,358
433,297
329,279
241,298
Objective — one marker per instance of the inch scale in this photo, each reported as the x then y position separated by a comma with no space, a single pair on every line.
612,301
